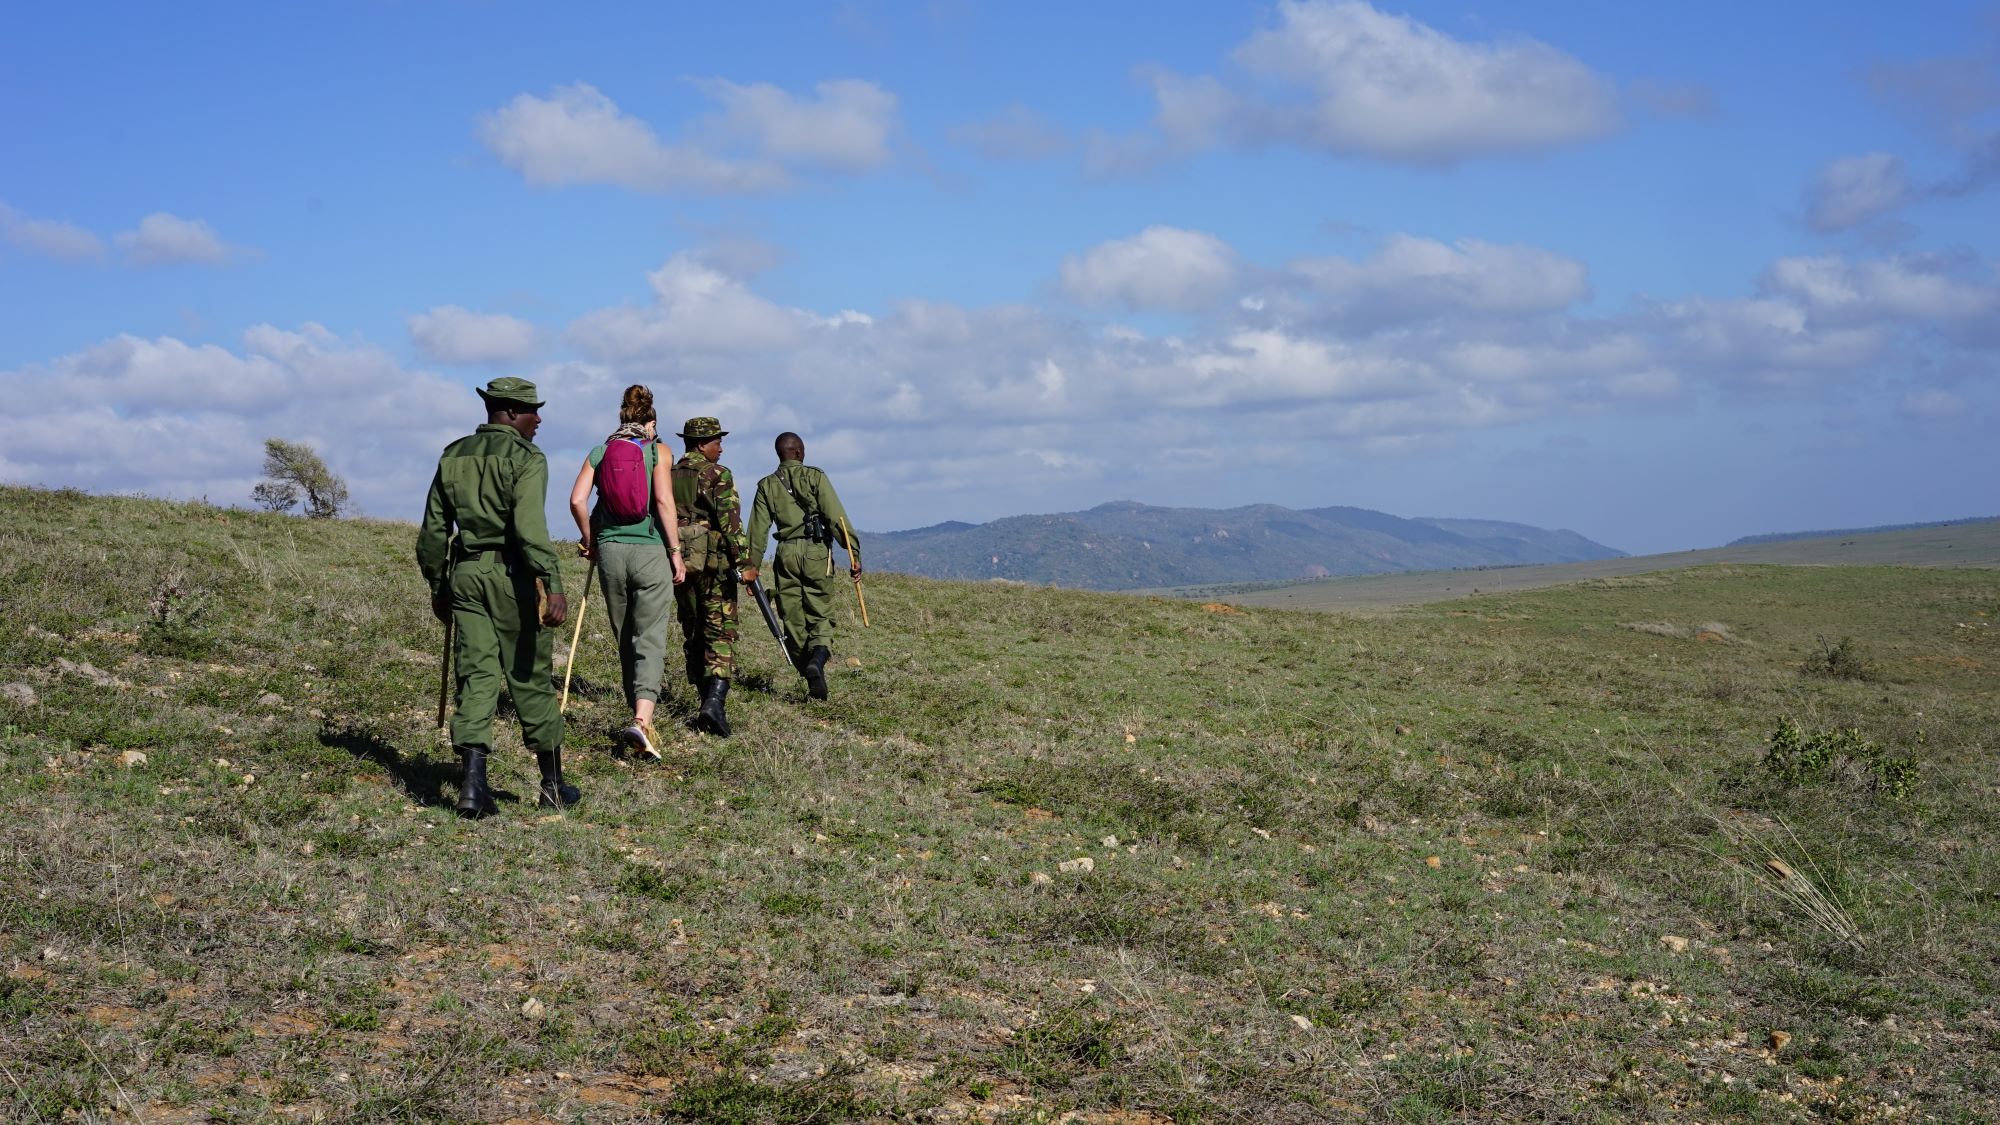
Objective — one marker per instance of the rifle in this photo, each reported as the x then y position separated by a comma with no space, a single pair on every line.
771,619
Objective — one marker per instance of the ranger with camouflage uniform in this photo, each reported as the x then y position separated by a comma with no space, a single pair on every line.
797,503
486,582
716,554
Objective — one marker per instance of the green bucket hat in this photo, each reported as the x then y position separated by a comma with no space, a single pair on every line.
702,429
510,391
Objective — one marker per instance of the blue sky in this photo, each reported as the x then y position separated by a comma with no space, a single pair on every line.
1663,275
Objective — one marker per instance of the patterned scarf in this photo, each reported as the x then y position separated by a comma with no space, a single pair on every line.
629,431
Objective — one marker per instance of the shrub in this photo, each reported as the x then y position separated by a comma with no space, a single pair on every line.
1797,758
1839,660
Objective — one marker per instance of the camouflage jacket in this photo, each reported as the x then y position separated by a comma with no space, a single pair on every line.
705,496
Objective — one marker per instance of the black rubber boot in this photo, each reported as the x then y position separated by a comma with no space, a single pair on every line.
555,793
815,671
714,694
475,799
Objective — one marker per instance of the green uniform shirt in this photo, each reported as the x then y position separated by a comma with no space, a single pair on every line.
646,529
492,485
776,511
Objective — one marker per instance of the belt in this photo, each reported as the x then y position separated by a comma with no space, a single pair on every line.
498,555
796,539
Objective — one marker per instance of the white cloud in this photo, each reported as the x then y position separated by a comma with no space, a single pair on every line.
697,308
1342,77
450,334
191,419
164,239
1851,190
577,135
1016,133
1905,288
847,127
1387,86
1414,277
1161,267
49,238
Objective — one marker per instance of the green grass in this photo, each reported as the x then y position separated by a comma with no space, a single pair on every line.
1408,867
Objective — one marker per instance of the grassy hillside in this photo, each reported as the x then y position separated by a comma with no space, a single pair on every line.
1501,859
1955,545
1123,546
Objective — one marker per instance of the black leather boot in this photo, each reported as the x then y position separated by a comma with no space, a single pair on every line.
474,798
555,793
714,693
815,670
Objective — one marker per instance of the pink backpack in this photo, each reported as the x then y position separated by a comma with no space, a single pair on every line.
623,483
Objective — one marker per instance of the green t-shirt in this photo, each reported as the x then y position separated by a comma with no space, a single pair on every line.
646,529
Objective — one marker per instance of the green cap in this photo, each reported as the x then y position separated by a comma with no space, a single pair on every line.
510,390
702,429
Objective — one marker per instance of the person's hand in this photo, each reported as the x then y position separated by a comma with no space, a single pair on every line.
584,547
749,575
680,570
441,606
854,567
556,611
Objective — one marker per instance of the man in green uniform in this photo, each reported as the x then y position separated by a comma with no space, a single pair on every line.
715,554
798,503
487,581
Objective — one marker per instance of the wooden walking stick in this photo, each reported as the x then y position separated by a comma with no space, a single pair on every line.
576,635
858,595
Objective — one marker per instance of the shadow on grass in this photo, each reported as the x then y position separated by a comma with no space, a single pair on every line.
421,776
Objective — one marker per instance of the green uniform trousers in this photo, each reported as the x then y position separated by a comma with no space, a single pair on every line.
638,583
805,592
500,641
706,604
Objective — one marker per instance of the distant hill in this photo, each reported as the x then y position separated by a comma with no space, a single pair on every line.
1124,545
1788,536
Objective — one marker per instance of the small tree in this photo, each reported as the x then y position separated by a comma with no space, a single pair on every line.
293,471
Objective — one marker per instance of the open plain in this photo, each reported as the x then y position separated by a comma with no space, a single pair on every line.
1530,855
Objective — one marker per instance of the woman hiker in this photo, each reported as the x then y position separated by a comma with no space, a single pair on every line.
634,536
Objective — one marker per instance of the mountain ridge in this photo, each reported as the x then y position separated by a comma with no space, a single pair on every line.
1124,544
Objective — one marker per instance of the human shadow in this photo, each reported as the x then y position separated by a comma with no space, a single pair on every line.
421,777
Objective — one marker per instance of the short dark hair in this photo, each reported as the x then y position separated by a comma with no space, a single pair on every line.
788,440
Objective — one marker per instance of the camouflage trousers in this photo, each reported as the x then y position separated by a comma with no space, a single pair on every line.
706,606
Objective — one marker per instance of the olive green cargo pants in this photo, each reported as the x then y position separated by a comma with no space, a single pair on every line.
501,642
805,593
638,584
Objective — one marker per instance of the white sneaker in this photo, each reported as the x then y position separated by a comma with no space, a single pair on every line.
642,739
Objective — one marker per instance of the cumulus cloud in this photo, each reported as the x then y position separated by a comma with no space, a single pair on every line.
577,135
1160,268
1042,398
191,419
49,238
1913,288
164,239
846,127
1015,133
697,308
1851,190
1412,277
450,334
1342,77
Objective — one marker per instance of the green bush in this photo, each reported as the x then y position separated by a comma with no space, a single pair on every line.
1796,758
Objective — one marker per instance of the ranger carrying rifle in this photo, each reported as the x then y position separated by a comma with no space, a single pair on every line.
797,503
